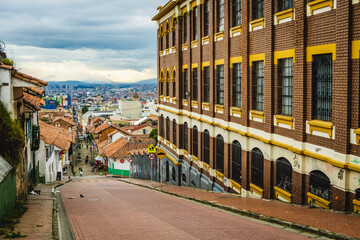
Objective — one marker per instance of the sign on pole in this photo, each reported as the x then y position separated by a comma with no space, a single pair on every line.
160,154
130,159
122,160
151,156
151,149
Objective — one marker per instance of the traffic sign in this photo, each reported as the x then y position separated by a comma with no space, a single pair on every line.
160,154
151,149
130,159
151,156
122,160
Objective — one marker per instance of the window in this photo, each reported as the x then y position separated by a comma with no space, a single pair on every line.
220,84
206,18
237,85
322,87
320,184
286,87
167,83
258,79
184,28
168,128
285,4
173,173
236,13
161,82
206,147
195,84
185,75
167,41
236,162
174,38
206,84
161,43
174,132
174,83
195,22
220,153
167,171
258,9
357,194
257,168
186,137
220,15
195,141
283,174
161,123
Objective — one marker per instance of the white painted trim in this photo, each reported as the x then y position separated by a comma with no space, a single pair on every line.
355,1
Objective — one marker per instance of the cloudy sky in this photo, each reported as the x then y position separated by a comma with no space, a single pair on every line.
91,40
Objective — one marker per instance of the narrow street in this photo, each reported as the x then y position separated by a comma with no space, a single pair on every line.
110,209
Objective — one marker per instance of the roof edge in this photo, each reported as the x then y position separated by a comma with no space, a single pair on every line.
165,9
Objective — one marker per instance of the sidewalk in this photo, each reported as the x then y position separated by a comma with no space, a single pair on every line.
301,217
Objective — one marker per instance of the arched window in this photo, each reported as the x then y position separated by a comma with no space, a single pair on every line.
161,123
236,162
283,174
186,137
206,147
167,83
195,141
220,153
257,168
167,34
161,80
319,184
168,128
174,132
357,194
174,82
167,171
173,174
173,31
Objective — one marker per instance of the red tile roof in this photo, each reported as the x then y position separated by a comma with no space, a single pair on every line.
64,119
60,137
33,101
28,78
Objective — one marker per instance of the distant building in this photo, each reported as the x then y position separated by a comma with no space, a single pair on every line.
129,108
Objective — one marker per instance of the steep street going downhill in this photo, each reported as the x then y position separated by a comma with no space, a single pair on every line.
110,209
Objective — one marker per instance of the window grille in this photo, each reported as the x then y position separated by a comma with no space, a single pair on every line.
357,194
258,9
174,83
161,43
220,153
161,126
167,171
185,75
285,4
195,17
220,15
206,18
322,87
174,38
206,84
220,84
206,148
186,137
183,177
168,128
286,86
319,184
195,84
236,13
167,41
195,141
236,162
258,85
174,132
185,28
236,88
257,168
283,174
173,173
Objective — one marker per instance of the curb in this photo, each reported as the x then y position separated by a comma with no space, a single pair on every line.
248,213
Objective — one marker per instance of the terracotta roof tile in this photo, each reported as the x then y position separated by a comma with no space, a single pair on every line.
37,90
58,136
64,119
33,101
28,78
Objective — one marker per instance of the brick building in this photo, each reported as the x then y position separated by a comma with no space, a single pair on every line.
262,98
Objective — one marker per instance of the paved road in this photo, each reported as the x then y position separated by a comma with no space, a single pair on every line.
116,210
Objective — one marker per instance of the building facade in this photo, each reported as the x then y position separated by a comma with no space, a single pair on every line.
262,98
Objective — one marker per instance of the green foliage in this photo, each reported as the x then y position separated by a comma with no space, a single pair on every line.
84,109
7,61
154,134
15,235
12,139
12,216
2,231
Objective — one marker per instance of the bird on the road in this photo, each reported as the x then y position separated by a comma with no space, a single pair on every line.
81,195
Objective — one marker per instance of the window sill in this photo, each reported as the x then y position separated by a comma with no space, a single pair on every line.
205,40
161,139
219,36
173,146
195,104
320,4
167,99
282,193
357,132
235,31
321,126
257,24
185,46
219,175
235,186
194,44
206,106
280,119
356,205
173,100
173,49
186,153
185,102
167,142
258,115
219,108
256,189
284,15
236,112
206,167
312,198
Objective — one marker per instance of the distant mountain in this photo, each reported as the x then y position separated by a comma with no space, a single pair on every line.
145,82
92,83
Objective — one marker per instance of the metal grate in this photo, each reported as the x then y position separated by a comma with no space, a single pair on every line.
285,4
236,86
186,132
174,132
220,153
168,128
206,84
283,174
236,162
258,9
258,85
257,168
286,86
185,28
206,147
161,123
195,21
319,184
206,18
195,84
220,84
322,87
220,15
195,141
185,77
236,13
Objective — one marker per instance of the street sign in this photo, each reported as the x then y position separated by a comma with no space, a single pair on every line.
151,156
160,154
130,159
122,160
151,149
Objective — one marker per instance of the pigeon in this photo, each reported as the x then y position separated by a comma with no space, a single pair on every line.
81,195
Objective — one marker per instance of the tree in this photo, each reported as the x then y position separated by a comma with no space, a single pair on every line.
84,109
154,135
12,139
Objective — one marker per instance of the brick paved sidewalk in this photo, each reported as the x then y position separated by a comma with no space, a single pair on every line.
310,218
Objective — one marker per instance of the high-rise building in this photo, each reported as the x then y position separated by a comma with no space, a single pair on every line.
261,98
